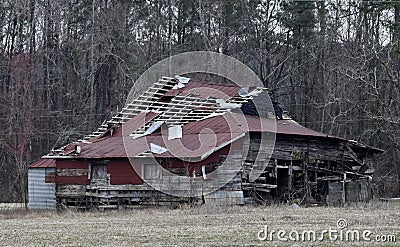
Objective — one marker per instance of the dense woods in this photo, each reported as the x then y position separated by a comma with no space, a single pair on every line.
68,65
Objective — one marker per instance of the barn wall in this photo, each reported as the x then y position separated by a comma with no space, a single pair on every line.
41,188
354,191
71,181
214,158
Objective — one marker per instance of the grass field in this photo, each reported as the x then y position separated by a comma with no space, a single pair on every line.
200,226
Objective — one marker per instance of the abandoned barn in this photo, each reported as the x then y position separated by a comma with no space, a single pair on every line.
191,129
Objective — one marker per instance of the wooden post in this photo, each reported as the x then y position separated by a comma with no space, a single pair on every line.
316,180
290,171
305,177
344,189
276,171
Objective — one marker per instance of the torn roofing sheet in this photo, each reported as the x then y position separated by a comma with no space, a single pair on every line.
225,105
181,82
174,132
182,79
153,127
154,148
247,91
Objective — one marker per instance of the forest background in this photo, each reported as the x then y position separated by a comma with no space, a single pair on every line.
68,65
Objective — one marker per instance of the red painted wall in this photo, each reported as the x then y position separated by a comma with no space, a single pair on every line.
121,172
72,164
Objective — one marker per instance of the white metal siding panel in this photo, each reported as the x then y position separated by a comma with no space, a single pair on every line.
42,195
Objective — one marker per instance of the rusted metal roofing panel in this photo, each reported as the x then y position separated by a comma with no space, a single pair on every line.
43,163
234,122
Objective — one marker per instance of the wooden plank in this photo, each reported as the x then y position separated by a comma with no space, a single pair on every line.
71,172
259,185
92,135
132,187
168,78
159,89
71,190
122,118
153,93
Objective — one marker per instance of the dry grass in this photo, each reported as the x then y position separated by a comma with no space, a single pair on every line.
202,226
4,206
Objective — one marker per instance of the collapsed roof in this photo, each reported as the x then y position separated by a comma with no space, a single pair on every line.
180,117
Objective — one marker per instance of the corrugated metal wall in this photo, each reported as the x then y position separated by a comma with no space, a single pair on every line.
41,188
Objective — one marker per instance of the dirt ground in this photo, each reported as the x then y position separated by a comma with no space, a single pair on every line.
205,226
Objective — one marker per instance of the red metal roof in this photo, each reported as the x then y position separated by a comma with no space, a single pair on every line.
198,137
111,147
205,90
227,123
197,140
290,127
43,163
286,126
234,122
